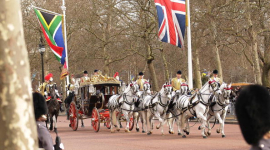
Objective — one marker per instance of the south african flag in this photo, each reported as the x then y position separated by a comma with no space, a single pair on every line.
51,26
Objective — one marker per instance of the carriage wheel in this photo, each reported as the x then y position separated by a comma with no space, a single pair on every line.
108,122
73,118
95,119
131,123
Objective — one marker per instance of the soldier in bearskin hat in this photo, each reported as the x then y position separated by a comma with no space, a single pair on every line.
40,109
253,114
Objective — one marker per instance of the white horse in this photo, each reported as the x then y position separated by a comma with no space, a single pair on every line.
196,106
123,104
219,109
184,89
157,107
140,114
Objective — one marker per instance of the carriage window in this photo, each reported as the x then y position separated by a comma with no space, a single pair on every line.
107,90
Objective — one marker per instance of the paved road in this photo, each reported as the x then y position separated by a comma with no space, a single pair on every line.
86,139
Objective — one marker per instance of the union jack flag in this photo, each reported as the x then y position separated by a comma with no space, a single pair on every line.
172,21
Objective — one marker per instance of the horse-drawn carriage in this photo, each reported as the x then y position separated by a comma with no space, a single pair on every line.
90,101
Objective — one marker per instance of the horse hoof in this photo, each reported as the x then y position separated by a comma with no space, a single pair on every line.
179,134
204,137
137,129
149,133
209,133
184,136
157,127
223,136
218,131
118,130
187,133
199,128
143,131
127,131
170,132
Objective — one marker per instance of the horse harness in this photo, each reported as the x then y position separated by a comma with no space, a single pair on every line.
159,102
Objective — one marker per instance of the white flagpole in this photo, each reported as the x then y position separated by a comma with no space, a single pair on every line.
190,75
63,7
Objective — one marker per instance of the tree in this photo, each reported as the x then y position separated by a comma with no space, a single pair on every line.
18,129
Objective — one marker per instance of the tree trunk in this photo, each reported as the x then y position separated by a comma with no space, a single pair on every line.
216,49
257,69
18,126
218,61
197,79
253,36
266,64
153,74
167,76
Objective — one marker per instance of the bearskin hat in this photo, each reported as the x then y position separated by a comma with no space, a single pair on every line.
253,113
95,70
140,73
215,71
179,72
48,76
40,106
85,72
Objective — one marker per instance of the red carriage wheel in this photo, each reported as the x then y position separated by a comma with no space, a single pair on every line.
131,123
95,119
73,116
108,122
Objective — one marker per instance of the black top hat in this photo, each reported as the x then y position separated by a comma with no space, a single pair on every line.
140,73
40,106
252,111
85,72
215,71
95,70
179,72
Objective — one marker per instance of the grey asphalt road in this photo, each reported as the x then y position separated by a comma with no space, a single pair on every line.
87,139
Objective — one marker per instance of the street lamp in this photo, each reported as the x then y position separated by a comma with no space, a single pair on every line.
41,50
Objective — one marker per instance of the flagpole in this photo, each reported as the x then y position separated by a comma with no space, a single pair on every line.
190,75
63,7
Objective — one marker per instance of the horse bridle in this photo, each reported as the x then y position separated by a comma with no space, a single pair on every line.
125,95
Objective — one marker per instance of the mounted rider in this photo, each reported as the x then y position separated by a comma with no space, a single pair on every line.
50,84
96,72
140,81
85,77
177,82
219,81
42,87
215,77
176,85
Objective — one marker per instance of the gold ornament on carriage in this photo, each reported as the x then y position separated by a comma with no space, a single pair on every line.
100,79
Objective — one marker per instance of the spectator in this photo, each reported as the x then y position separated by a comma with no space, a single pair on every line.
253,114
40,109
